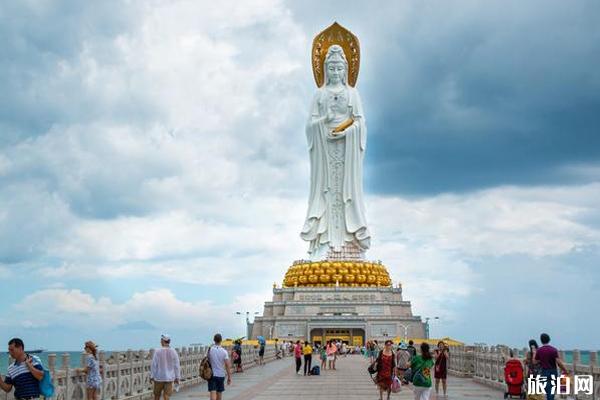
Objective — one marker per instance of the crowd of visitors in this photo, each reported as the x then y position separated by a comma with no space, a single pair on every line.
405,366
392,366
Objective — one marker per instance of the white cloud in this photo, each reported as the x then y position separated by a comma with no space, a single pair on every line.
158,307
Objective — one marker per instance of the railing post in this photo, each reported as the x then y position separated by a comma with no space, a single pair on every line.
117,356
52,367
183,360
66,361
150,358
102,366
130,362
576,361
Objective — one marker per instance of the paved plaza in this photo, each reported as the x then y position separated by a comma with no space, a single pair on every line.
277,381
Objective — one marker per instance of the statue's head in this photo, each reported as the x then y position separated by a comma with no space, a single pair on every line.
336,66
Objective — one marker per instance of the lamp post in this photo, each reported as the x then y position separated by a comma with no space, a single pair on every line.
248,333
427,325
405,327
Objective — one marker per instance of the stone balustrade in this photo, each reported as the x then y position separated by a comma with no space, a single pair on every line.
126,375
486,365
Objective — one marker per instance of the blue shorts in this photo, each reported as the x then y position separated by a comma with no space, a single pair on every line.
216,384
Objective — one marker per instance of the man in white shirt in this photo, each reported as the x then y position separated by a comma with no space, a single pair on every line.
165,369
220,364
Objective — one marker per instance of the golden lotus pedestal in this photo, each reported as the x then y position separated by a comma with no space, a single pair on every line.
337,274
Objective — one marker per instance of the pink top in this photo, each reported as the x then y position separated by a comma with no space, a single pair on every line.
298,351
331,350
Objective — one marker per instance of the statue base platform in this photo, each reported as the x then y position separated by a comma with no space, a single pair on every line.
349,314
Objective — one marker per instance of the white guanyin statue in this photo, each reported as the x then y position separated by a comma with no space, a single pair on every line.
337,136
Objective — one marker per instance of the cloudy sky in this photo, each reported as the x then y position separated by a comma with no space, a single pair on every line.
154,171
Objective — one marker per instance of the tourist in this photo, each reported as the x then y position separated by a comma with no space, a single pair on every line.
411,349
307,351
548,359
386,366
402,361
236,355
165,369
323,356
344,349
277,349
531,368
331,350
421,371
370,351
284,348
441,367
24,374
298,356
93,382
220,364
261,351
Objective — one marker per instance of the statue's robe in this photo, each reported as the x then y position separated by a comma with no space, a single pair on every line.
317,227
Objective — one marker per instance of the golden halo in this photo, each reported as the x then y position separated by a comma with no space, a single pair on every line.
335,34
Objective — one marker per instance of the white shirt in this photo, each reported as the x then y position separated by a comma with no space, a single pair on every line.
165,365
217,358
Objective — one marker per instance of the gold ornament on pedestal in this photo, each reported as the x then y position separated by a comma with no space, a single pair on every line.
345,274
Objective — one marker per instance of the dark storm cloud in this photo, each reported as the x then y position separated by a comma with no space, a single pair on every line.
467,95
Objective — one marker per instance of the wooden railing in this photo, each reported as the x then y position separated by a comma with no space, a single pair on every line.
486,365
126,375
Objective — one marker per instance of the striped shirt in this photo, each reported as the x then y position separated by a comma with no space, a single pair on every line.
18,375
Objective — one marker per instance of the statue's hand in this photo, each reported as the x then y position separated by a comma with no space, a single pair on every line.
336,135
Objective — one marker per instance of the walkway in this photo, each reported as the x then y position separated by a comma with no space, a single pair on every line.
277,381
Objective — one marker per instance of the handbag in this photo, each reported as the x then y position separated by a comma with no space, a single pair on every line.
396,385
372,368
419,378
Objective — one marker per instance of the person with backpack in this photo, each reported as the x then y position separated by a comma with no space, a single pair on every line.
93,381
402,362
24,374
421,365
218,359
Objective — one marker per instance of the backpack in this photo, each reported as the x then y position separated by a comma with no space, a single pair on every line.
46,385
205,369
316,370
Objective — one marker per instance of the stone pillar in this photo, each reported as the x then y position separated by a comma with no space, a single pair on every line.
117,356
52,367
576,361
102,363
66,361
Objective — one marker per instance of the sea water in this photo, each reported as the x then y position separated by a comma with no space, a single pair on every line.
74,359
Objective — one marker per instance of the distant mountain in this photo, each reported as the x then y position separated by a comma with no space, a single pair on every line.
136,326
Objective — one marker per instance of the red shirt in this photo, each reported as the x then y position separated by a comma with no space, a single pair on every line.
298,351
547,356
